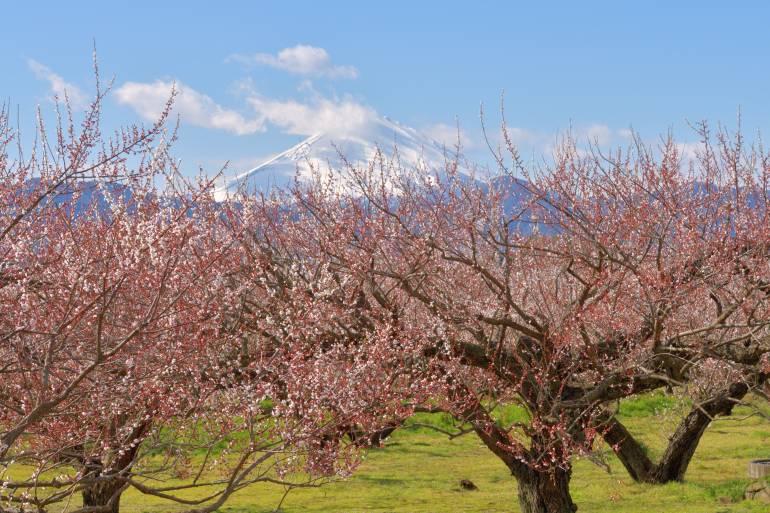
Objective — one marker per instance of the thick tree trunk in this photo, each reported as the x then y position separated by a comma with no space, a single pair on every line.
539,492
545,492
630,452
105,495
682,443
681,447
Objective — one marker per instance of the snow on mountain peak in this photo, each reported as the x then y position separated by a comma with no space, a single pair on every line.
323,151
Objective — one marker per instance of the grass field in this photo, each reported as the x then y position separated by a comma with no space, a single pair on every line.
418,470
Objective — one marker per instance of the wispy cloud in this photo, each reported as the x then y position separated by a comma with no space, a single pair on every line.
524,137
317,114
149,99
690,151
302,60
448,135
60,88
596,134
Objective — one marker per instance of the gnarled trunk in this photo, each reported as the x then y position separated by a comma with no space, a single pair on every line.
682,443
629,451
105,495
681,447
541,492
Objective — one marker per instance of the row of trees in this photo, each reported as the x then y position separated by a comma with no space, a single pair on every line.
562,289
148,332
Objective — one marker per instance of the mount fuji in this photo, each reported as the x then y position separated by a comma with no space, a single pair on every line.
325,151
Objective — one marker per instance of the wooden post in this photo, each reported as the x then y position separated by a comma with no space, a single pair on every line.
759,468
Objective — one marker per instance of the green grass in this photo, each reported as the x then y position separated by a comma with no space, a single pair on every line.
656,403
418,470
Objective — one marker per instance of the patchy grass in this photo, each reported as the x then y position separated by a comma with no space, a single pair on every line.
419,470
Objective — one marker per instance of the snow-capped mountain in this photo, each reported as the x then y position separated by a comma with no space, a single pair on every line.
323,152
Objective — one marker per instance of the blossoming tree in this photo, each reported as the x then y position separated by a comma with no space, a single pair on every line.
123,345
560,289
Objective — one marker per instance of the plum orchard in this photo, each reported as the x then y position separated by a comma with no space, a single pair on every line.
149,333
582,282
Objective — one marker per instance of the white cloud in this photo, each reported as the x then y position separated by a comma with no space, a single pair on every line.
149,99
596,134
319,115
448,134
301,60
60,88
522,136
690,151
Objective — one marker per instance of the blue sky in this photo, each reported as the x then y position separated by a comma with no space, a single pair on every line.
259,76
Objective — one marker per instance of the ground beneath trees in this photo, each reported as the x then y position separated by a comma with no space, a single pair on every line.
419,470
